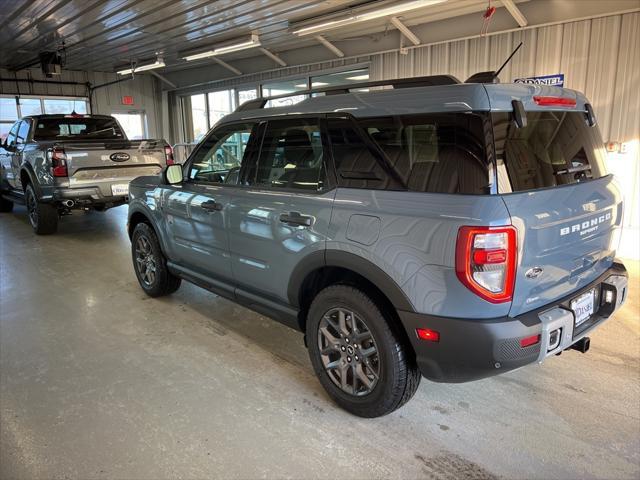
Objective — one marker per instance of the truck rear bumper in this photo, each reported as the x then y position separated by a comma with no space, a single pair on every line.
87,196
469,349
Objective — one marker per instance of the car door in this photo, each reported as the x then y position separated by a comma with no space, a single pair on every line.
17,154
281,212
196,210
6,157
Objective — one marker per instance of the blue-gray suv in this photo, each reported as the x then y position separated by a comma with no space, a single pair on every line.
435,228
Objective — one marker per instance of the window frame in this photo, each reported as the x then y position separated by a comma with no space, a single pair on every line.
329,183
27,122
247,157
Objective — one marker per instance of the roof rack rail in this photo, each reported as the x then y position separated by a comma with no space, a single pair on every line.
428,81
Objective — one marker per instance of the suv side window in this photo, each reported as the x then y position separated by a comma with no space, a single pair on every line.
357,163
13,134
23,132
292,156
220,156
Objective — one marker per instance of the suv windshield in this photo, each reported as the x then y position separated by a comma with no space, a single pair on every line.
104,128
555,148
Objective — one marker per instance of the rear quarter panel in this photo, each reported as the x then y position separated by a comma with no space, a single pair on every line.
412,237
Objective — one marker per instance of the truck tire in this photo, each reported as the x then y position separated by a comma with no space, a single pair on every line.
42,216
5,205
150,263
362,363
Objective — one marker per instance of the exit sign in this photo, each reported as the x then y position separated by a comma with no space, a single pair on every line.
127,100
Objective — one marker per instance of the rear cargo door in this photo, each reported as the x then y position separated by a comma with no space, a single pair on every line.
567,210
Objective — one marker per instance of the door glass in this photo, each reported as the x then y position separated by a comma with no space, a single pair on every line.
132,124
13,133
199,116
8,109
219,158
23,131
30,106
291,156
220,104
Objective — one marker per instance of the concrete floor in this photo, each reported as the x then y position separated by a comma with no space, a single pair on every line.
99,381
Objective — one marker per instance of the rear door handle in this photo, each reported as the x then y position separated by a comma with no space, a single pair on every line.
295,218
212,206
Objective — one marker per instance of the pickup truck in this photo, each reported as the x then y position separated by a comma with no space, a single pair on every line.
57,163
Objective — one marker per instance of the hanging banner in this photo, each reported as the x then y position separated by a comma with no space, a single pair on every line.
556,80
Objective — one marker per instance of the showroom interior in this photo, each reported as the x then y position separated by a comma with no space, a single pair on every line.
99,380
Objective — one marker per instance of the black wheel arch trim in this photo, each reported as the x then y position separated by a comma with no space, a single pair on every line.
28,169
133,210
349,261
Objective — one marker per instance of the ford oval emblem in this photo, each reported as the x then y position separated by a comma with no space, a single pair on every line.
120,157
534,272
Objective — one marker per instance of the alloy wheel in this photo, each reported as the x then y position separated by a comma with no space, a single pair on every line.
145,261
348,351
32,208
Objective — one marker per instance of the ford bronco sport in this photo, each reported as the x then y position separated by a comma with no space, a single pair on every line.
440,229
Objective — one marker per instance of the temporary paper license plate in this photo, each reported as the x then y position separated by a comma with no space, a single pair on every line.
583,306
120,189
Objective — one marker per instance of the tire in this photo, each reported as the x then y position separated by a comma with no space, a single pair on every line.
391,371
150,264
5,205
42,216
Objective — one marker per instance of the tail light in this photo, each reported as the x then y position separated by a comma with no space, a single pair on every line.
168,153
486,261
58,162
554,101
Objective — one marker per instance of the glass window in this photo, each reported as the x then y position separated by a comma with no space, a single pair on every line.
13,133
219,158
555,148
357,163
340,78
4,130
64,106
282,87
23,132
103,128
220,104
246,95
8,109
30,106
291,156
438,153
133,124
199,116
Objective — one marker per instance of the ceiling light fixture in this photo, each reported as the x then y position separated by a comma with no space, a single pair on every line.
159,63
234,47
362,16
357,78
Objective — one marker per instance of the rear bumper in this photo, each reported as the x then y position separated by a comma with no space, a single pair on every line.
87,196
473,349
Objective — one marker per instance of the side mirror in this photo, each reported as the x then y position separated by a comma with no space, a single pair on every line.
173,174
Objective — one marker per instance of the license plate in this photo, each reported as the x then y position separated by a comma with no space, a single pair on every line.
120,189
583,307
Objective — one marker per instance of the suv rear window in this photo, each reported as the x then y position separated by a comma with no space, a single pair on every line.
64,128
433,153
555,148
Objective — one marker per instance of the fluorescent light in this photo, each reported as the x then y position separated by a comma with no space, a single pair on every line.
159,63
254,42
367,15
357,78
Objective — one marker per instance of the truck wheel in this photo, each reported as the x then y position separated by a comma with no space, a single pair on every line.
150,264
361,362
5,205
42,216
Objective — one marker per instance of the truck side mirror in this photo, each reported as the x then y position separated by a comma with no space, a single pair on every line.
173,174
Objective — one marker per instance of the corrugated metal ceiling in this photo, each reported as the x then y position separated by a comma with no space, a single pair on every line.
103,35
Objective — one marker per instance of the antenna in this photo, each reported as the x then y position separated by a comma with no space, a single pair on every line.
495,75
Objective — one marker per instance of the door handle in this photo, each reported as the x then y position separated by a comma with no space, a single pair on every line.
295,218
212,206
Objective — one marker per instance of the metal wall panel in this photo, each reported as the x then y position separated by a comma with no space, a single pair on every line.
598,57
143,89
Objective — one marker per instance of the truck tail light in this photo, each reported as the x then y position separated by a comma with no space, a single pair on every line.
168,153
58,162
486,261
